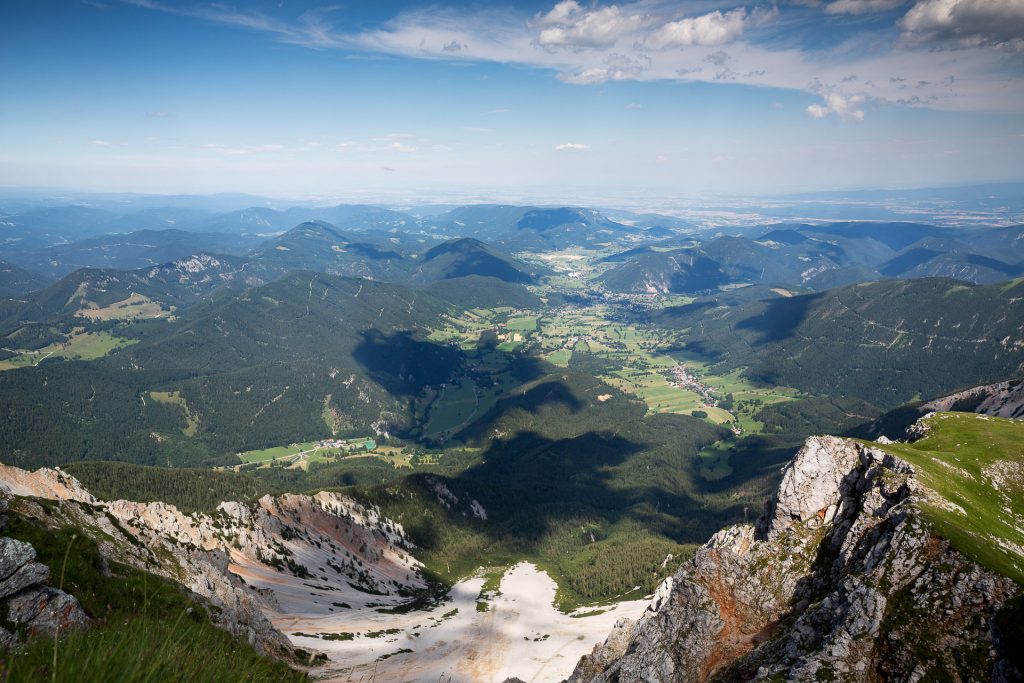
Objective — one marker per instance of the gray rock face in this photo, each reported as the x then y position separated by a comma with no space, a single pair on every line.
45,610
14,554
840,580
811,485
32,606
1003,399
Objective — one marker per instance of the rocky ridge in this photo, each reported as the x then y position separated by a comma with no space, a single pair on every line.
841,579
290,541
1003,399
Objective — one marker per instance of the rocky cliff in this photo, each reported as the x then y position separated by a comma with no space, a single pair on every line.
1003,399
240,557
845,577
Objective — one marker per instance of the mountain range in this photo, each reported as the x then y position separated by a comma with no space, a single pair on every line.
319,420
820,257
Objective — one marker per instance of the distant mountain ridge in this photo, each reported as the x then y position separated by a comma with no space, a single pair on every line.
467,256
822,256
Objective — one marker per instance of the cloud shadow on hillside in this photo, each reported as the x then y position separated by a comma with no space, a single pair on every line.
780,318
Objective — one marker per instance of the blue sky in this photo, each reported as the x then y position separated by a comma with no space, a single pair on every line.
360,99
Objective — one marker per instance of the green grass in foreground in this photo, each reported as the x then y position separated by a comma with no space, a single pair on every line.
975,466
170,647
146,629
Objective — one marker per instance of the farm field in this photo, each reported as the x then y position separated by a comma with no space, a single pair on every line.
633,357
454,407
135,306
276,453
304,453
714,461
472,396
638,366
524,324
175,398
80,345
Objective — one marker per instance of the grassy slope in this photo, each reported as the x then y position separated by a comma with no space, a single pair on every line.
976,463
146,629
78,346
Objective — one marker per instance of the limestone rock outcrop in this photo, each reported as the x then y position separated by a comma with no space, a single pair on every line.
298,541
841,579
31,606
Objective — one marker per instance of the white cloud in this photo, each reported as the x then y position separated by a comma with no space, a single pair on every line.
571,147
599,74
713,28
966,23
311,30
598,46
862,6
401,147
100,143
845,107
568,24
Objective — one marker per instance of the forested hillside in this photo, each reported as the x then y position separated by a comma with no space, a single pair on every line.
884,342
250,371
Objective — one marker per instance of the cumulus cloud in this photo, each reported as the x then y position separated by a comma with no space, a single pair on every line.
846,108
568,24
571,147
713,28
966,23
862,6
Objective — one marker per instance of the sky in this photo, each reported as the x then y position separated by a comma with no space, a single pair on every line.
362,99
